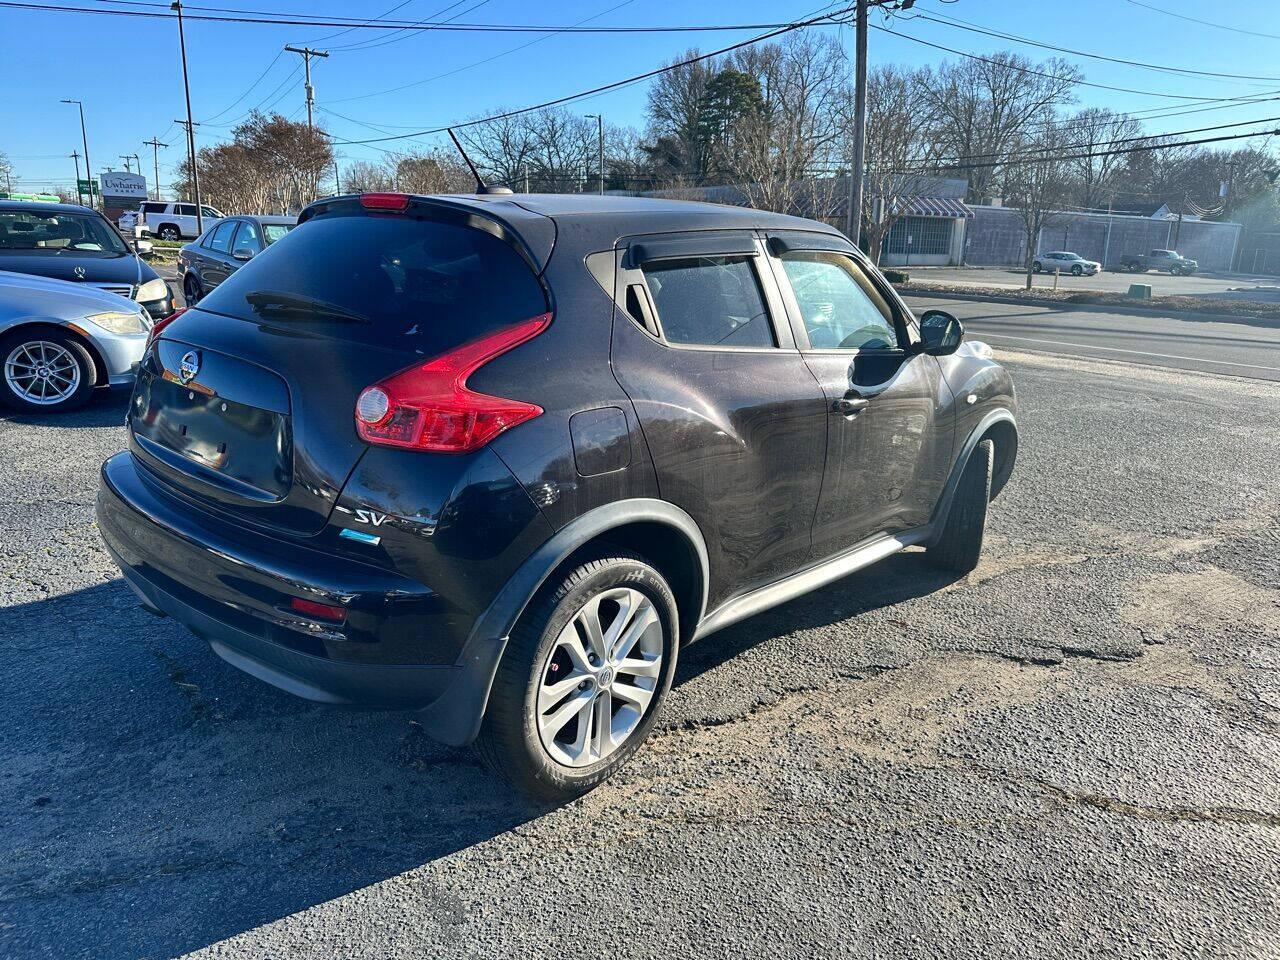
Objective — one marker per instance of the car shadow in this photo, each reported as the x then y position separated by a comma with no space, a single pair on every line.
106,408
158,800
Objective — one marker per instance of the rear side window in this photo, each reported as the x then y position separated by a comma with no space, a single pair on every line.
392,281
221,239
185,210
709,301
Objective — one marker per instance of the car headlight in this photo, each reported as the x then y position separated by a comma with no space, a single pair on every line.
155,289
117,321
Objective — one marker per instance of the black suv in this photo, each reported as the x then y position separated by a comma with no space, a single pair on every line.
499,457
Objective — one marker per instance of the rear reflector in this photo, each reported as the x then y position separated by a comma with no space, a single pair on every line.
320,611
384,201
430,407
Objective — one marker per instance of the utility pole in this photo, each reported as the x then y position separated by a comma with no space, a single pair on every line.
85,139
337,180
75,155
126,157
599,119
853,217
190,121
307,54
155,146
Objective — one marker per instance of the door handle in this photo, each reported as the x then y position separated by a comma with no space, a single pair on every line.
850,407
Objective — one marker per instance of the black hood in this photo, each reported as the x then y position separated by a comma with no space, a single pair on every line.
62,266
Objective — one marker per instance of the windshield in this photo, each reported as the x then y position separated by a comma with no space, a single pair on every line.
51,232
274,231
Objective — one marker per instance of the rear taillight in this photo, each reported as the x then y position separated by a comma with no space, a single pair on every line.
159,325
430,407
385,201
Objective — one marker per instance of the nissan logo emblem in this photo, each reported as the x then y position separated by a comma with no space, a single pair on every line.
189,366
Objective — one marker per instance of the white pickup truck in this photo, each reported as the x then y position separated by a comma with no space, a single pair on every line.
168,221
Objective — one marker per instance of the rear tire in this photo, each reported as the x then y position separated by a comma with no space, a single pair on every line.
523,737
1036,268
43,371
960,546
170,232
191,290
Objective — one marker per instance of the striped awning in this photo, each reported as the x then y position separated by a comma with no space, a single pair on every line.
931,207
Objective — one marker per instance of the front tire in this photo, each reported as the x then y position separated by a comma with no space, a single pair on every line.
45,372
191,290
1077,271
960,546
582,679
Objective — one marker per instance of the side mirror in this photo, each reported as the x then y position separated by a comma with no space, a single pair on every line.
940,333
143,247
242,253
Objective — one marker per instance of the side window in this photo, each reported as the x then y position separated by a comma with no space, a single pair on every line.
221,239
840,307
185,210
247,238
709,301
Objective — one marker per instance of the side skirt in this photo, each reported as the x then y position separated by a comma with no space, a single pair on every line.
810,578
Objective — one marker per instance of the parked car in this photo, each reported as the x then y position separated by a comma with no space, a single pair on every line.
1065,262
168,221
222,249
59,341
1165,261
480,456
69,242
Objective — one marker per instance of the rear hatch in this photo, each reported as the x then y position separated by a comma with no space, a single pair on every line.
245,405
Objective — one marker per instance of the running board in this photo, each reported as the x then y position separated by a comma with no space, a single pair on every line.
809,579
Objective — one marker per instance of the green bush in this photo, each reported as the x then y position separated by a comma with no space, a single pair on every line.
897,276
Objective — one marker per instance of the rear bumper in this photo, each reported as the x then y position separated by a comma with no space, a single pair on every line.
228,590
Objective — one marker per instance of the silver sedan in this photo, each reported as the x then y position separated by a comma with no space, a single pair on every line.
59,341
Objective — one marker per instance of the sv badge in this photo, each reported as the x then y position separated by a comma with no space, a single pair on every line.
369,516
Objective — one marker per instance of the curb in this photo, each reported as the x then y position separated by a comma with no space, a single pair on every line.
1134,311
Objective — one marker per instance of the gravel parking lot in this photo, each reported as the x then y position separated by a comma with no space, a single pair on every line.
1071,752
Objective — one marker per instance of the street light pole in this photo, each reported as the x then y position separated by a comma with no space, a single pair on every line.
599,118
191,135
84,137
75,155
155,146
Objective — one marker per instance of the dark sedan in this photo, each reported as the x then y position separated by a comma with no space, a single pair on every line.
218,252
64,241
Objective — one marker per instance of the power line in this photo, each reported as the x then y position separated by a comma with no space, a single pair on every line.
477,63
611,86
250,90
355,24
392,38
1205,23
959,24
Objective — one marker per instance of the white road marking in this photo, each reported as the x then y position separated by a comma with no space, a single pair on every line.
1137,353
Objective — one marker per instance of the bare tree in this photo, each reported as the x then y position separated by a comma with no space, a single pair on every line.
6,171
1035,184
674,109
366,176
983,108
1096,131
899,146
783,148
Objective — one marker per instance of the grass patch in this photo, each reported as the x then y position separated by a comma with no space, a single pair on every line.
1225,306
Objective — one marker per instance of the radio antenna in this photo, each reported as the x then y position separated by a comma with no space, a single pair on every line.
481,186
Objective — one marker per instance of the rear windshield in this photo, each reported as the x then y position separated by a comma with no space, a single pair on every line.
392,281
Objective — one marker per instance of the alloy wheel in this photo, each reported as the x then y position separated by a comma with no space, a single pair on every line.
41,372
599,677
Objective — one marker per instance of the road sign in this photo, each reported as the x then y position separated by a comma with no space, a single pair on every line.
131,186
85,185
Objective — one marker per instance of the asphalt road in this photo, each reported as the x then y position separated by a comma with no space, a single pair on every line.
1242,348
1251,286
1073,752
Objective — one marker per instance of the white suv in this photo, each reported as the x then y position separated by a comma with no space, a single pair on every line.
168,221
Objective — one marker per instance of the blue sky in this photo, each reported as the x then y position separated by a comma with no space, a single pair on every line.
127,72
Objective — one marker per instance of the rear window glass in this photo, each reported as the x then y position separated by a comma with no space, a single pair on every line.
392,281
709,301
